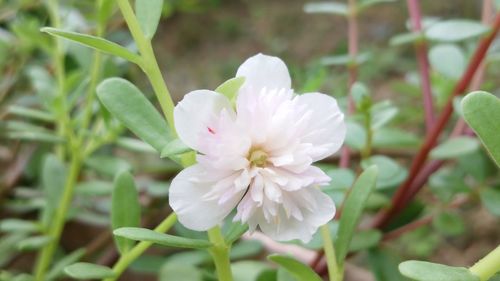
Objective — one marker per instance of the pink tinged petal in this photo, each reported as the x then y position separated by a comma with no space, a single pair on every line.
262,71
187,199
326,127
197,115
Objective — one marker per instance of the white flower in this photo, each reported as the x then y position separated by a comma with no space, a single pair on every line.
257,158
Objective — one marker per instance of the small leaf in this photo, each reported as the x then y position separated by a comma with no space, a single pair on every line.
230,88
455,30
368,3
125,208
426,271
455,147
174,271
235,231
58,268
33,243
490,198
173,148
31,113
392,138
107,165
405,38
83,270
97,43
17,225
366,239
143,234
132,108
326,8
346,59
53,181
299,270
391,172
353,208
482,111
148,14
448,59
134,144
94,188
248,270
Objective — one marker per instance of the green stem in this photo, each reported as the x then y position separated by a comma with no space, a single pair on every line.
127,258
487,266
220,254
367,150
331,260
62,124
149,63
45,257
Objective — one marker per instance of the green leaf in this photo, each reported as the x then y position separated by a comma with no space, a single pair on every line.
125,208
148,14
105,11
174,147
391,173
490,198
245,249
235,231
230,88
353,208
132,108
33,243
248,270
449,224
134,144
482,111
455,30
53,181
31,113
299,270
356,135
405,38
97,43
58,268
17,225
392,138
94,188
83,270
326,8
107,165
382,113
346,59
455,147
448,59
368,3
366,239
384,265
174,271
143,234
426,271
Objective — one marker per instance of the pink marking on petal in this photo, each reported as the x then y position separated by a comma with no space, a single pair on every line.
211,130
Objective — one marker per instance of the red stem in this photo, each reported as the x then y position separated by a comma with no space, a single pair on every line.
423,64
398,201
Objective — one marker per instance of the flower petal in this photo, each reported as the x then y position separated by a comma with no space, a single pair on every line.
262,71
192,196
299,217
326,128
196,113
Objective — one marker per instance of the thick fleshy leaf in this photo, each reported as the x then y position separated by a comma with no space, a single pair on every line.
195,112
455,147
235,231
455,30
125,208
17,225
131,107
97,43
426,271
144,234
248,270
299,270
448,59
148,14
490,197
174,271
368,3
58,268
33,243
346,59
366,239
262,71
230,88
449,223
107,165
329,7
83,270
391,173
405,38
482,111
31,113
175,147
353,208
53,181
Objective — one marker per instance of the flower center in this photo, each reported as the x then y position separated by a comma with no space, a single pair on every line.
257,157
